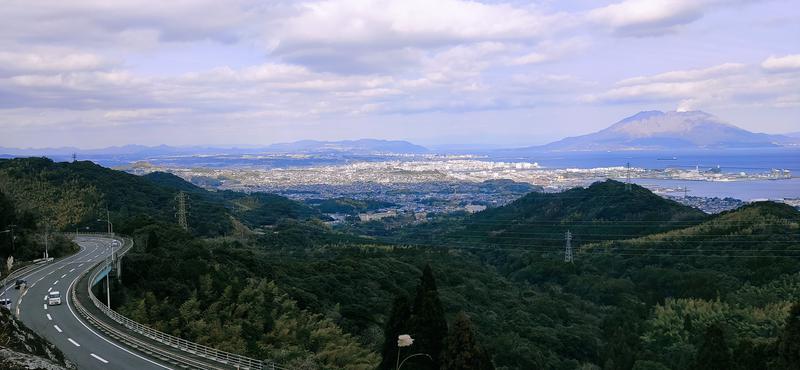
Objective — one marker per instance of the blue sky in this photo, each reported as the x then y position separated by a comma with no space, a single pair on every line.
93,73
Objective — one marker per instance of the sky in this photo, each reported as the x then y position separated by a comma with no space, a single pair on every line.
94,73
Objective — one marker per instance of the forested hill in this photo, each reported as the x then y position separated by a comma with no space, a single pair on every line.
604,210
70,195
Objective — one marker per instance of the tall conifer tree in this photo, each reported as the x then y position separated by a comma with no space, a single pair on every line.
789,347
461,349
429,326
714,352
397,323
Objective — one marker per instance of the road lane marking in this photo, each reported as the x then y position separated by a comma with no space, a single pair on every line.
62,276
49,289
75,315
80,265
99,358
58,329
72,270
45,298
49,317
73,342
45,306
56,282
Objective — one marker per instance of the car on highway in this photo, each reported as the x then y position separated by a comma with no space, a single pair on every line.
53,298
5,303
20,284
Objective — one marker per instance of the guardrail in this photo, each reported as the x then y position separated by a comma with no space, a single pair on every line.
191,348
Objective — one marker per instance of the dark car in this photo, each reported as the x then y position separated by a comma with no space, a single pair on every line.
5,303
20,284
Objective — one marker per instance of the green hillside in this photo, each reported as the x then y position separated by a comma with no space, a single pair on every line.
76,194
604,210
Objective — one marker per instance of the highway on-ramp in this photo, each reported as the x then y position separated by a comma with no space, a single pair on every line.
61,324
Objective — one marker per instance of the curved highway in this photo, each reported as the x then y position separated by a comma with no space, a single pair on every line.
61,324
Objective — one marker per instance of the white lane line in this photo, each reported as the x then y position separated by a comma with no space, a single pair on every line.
58,329
49,317
72,270
45,298
55,282
80,265
45,306
99,358
75,315
49,289
62,276
73,342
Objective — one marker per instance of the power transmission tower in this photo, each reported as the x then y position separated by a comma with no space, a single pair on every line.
180,199
568,250
74,157
628,177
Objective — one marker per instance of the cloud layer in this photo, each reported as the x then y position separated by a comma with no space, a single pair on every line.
283,69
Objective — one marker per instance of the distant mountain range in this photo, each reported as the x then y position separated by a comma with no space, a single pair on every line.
656,130
649,130
362,146
347,146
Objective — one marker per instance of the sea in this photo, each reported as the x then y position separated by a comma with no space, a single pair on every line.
750,161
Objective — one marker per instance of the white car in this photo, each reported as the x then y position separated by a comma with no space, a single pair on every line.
53,298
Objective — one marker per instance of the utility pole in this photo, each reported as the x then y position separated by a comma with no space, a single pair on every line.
108,219
108,290
568,250
46,234
181,201
628,177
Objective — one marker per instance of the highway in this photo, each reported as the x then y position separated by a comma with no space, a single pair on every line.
61,324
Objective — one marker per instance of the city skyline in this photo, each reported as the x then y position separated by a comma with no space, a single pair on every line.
507,74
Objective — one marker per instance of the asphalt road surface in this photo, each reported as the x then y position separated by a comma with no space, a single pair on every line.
61,324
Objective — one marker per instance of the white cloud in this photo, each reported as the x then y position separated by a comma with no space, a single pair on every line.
356,36
722,85
549,51
17,62
724,69
652,17
393,23
786,63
